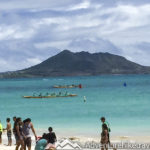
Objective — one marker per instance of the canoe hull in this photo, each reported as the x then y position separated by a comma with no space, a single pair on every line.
61,87
71,95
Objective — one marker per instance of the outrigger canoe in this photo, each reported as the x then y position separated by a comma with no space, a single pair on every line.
70,95
67,86
70,86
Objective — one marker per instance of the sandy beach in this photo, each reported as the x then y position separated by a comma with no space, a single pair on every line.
83,140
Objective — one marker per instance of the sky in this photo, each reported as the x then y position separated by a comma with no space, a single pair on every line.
34,30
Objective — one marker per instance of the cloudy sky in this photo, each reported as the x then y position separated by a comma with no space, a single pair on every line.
33,30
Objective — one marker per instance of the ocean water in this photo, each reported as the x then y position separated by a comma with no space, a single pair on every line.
127,109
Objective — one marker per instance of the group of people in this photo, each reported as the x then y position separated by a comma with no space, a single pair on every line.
47,141
21,131
22,134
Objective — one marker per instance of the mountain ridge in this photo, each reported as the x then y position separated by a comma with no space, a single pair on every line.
67,63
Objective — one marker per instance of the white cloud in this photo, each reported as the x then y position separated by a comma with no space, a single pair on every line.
83,5
15,32
93,45
124,17
6,32
92,25
52,44
33,61
48,21
35,4
3,62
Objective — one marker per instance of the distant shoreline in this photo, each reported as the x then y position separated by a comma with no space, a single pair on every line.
101,75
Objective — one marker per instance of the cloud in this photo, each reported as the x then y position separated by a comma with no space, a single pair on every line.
83,5
33,61
93,45
22,54
14,32
35,4
36,30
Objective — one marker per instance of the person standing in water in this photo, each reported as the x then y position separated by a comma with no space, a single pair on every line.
1,131
9,133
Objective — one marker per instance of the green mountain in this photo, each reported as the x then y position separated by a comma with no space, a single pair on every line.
67,63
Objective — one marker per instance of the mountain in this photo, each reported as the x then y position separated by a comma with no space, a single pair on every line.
67,63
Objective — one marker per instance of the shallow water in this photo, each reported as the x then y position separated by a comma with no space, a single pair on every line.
127,109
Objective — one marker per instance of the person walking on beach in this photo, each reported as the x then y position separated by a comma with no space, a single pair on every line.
104,137
9,134
18,134
1,130
27,126
103,120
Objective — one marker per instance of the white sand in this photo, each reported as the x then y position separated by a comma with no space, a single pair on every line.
132,139
82,139
3,147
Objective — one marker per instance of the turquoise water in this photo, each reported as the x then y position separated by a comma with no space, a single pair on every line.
126,108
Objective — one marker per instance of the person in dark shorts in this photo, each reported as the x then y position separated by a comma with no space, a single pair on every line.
1,130
27,126
9,133
18,134
51,136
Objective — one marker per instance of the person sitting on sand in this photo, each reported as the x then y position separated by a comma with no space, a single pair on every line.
27,126
18,134
104,137
1,130
9,133
41,143
51,136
